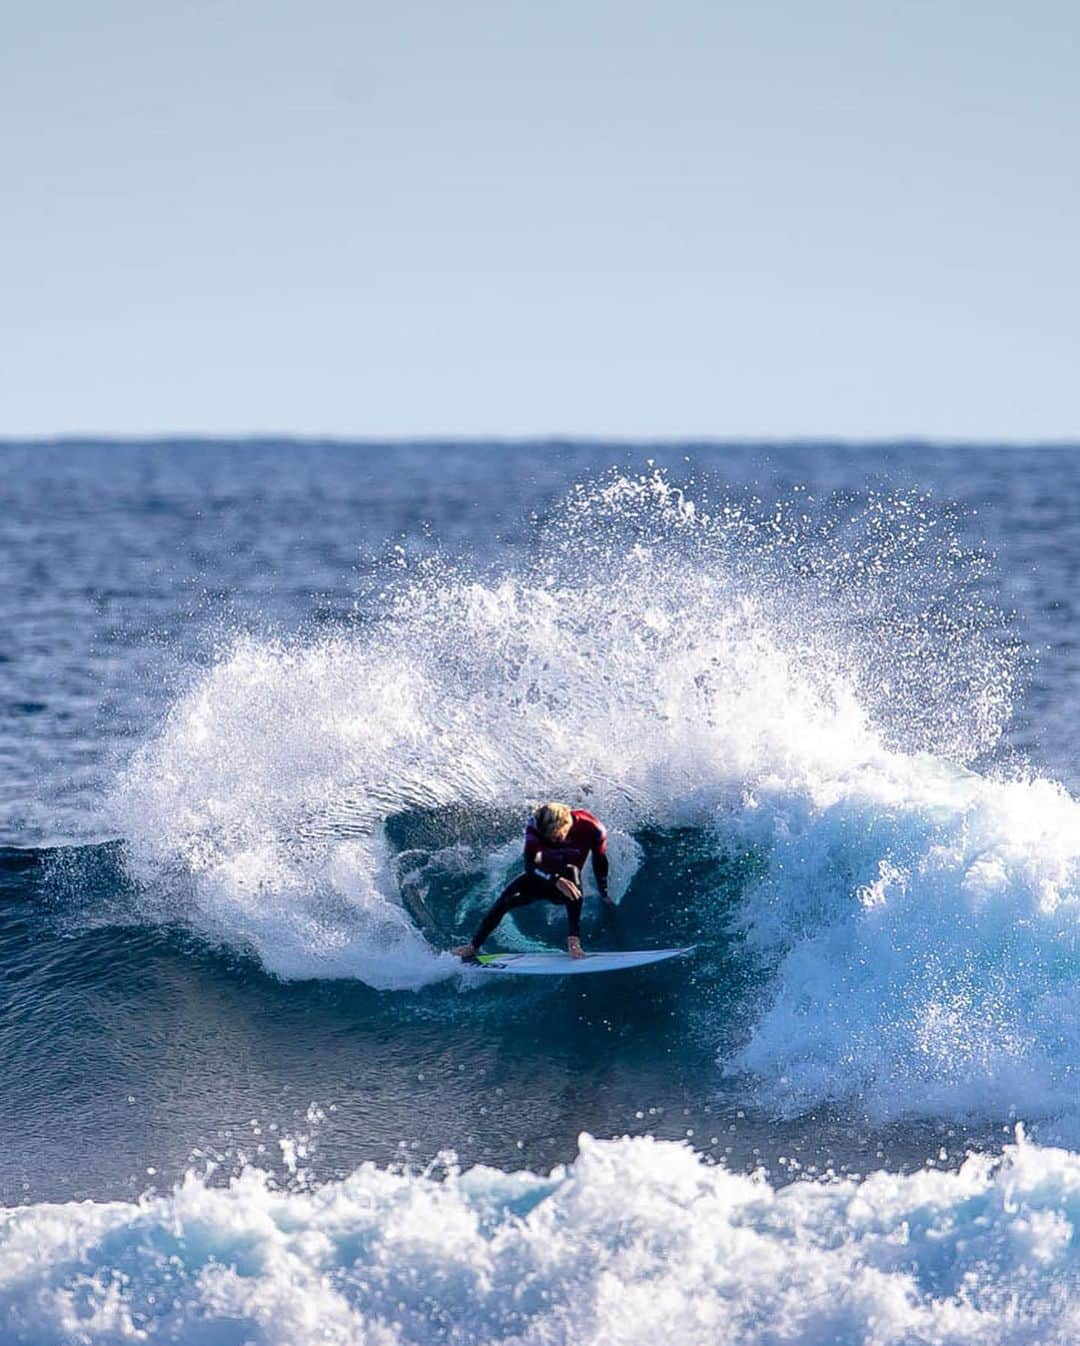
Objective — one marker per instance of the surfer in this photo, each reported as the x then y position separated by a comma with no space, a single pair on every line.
558,840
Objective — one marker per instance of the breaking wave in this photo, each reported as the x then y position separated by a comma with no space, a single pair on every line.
814,689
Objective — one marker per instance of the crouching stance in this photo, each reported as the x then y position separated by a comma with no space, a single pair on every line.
557,842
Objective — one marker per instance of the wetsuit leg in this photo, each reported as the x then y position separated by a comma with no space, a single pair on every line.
573,914
524,889
527,888
572,904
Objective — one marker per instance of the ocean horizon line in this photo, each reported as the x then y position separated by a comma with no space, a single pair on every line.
273,438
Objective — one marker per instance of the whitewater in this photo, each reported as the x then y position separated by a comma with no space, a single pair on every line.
636,1238
913,919
795,704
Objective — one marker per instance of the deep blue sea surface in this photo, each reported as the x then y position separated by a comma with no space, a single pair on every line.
275,716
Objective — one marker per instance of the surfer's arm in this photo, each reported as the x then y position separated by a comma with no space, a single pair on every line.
569,890
534,858
534,855
600,865
560,882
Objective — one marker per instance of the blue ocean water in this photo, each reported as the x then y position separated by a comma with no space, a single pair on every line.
276,714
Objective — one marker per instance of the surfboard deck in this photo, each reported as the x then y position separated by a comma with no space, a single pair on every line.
558,964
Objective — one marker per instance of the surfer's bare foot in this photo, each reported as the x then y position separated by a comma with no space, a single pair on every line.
574,948
465,952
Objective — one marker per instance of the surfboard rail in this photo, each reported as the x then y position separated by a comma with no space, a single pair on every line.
555,963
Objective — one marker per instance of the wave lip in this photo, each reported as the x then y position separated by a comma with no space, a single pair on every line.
637,1240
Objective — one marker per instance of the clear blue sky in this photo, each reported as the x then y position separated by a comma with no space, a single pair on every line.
770,218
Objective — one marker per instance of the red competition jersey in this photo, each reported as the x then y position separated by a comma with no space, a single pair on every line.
587,836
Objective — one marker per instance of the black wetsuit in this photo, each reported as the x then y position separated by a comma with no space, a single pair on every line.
534,887
562,859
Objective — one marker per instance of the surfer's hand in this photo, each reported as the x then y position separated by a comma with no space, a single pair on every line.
573,944
464,951
568,889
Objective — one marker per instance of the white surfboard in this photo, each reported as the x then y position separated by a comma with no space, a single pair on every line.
562,965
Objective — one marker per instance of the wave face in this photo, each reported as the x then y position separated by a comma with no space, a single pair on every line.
797,689
638,1240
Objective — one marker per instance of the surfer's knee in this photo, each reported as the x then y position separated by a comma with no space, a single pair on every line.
499,907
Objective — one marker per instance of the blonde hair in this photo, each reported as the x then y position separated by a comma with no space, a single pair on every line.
552,817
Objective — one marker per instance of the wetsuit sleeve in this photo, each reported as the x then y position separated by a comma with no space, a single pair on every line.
600,864
534,858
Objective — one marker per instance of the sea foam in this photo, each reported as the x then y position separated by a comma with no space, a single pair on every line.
637,1240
